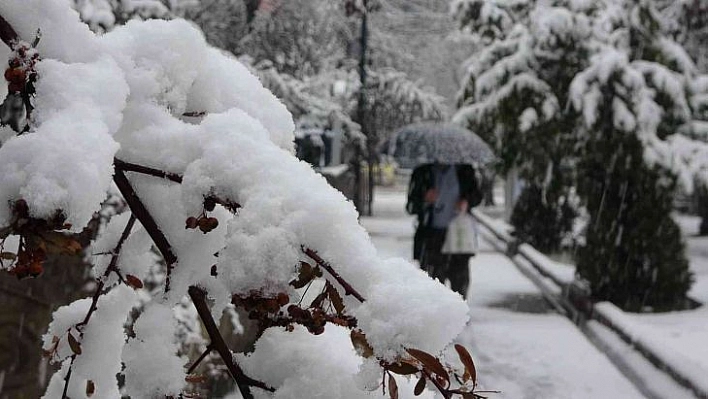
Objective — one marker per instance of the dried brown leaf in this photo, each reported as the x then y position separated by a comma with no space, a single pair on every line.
90,388
420,386
74,344
319,299
61,243
392,387
361,345
335,298
431,364
402,368
305,275
467,361
133,281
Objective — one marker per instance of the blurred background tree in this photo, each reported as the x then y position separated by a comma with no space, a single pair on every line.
514,97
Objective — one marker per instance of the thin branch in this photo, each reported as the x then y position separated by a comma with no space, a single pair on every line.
7,33
131,167
67,378
197,295
201,357
244,382
348,289
140,211
175,177
194,114
111,267
99,290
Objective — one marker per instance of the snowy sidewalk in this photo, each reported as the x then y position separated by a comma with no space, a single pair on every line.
521,347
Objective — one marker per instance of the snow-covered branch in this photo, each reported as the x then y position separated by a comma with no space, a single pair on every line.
110,109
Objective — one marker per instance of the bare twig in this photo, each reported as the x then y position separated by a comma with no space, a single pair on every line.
131,167
112,267
67,378
175,177
244,382
7,33
99,290
201,357
140,211
197,295
194,114
348,289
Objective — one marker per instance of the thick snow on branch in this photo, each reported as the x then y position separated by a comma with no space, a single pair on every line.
124,94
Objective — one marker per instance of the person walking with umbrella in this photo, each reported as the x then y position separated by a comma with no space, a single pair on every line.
443,186
436,194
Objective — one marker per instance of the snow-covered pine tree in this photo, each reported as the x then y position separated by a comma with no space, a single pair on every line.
635,104
699,130
514,96
689,26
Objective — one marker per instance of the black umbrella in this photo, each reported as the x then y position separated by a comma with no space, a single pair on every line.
427,143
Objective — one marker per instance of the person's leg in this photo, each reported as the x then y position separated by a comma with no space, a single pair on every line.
459,274
432,260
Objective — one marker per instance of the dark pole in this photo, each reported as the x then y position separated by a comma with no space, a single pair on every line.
361,107
251,8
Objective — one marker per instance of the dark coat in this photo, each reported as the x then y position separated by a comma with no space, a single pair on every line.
422,180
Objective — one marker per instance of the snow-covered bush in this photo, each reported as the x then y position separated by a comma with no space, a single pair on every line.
599,96
635,107
202,155
514,96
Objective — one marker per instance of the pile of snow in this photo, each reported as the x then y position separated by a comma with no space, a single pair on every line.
124,94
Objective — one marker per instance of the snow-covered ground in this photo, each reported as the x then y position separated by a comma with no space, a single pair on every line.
697,251
678,338
521,347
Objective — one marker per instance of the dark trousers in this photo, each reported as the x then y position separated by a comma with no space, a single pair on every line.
444,267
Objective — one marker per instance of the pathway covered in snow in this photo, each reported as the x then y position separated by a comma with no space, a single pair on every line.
521,346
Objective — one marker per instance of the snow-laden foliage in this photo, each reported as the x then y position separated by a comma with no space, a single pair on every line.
636,143
393,100
687,21
598,96
513,96
300,50
103,15
300,37
490,19
658,86
155,94
311,98
222,21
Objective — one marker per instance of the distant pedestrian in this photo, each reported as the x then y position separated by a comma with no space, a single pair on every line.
436,194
